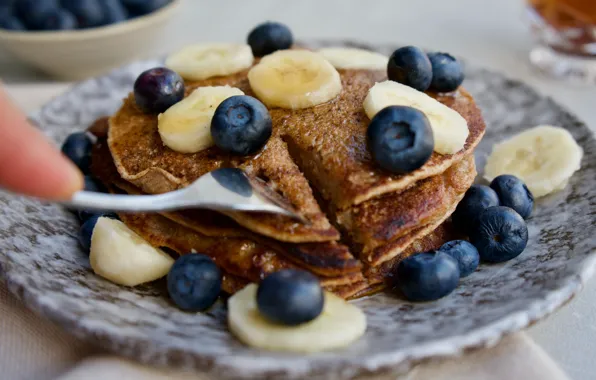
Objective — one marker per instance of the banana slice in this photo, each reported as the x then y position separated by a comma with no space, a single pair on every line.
186,126
352,58
123,257
202,61
450,129
338,325
294,79
544,157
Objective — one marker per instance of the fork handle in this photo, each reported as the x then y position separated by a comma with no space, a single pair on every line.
89,200
170,201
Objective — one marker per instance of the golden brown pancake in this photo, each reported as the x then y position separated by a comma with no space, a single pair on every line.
427,242
246,257
326,258
325,144
380,228
318,160
240,257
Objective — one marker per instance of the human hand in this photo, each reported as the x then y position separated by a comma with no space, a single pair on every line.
29,164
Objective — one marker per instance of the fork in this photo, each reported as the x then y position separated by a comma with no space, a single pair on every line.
226,189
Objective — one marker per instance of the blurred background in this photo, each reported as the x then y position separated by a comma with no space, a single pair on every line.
491,33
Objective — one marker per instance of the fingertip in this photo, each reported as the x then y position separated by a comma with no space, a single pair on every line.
73,181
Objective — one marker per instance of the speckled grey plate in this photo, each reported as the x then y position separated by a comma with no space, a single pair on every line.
43,265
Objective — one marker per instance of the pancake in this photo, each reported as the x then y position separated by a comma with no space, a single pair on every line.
132,147
428,241
240,257
325,258
380,277
380,228
317,159
245,257
332,158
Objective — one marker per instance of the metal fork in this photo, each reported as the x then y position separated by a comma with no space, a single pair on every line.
227,189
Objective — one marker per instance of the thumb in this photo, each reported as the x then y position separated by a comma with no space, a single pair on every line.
29,164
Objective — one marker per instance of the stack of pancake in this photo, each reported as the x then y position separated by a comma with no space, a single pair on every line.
363,220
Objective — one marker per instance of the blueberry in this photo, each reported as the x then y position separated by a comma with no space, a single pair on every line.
241,125
269,37
410,66
33,12
89,13
194,282
465,253
514,193
77,147
143,7
58,19
158,89
500,234
86,230
113,12
91,184
94,186
290,297
400,139
477,199
427,276
448,73
6,8
85,215
9,22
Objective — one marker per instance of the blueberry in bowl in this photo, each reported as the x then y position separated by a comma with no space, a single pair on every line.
114,12
32,13
88,13
58,19
138,8
8,22
95,35
500,234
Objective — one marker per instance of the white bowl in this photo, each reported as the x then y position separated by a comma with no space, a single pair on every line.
83,53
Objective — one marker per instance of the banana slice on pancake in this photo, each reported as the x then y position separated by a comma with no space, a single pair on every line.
202,61
294,79
339,324
544,157
121,256
450,129
186,126
353,58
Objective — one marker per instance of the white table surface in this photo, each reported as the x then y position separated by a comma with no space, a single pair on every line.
491,33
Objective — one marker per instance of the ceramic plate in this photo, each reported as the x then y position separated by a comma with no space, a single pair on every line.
44,266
